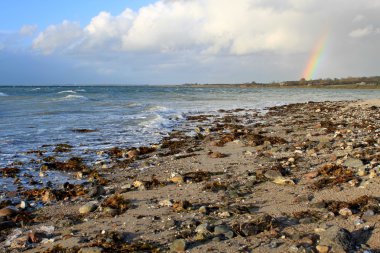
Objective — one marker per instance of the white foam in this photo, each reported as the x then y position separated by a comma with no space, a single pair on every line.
2,94
157,108
72,97
67,91
36,89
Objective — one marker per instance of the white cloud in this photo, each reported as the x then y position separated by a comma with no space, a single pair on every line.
365,31
172,36
28,30
59,37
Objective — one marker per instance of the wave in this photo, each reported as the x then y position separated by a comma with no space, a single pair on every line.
2,94
66,91
72,97
157,108
81,90
35,89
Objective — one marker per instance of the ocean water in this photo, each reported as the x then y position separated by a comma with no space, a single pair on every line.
33,118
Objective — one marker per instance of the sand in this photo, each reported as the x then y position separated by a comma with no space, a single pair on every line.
273,181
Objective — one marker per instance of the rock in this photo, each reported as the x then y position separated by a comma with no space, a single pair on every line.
178,246
372,173
110,211
369,212
6,225
180,206
283,181
353,163
362,172
165,202
221,229
322,249
23,204
97,191
203,209
345,212
272,174
339,239
291,160
177,179
217,155
203,229
91,250
88,208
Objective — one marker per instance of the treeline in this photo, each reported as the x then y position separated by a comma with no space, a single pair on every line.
375,80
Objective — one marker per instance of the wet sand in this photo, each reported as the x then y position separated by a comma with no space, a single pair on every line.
296,178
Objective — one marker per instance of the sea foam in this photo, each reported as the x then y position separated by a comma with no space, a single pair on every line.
2,94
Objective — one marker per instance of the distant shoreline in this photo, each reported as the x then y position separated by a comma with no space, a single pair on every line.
265,86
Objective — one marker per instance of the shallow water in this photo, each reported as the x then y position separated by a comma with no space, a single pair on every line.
124,116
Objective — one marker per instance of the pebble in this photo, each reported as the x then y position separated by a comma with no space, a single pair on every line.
222,229
165,202
91,250
23,204
177,179
88,208
203,209
323,249
178,245
345,212
369,212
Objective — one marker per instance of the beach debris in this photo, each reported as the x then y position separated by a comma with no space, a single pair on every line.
249,225
73,164
182,205
9,172
117,202
283,181
62,148
216,154
215,186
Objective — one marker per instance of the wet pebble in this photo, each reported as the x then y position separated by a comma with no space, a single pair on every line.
88,207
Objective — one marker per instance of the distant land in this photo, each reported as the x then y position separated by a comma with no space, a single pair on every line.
343,83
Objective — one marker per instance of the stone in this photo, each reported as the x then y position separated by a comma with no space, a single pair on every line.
353,163
178,245
91,250
283,181
311,175
345,212
97,191
362,172
177,179
110,211
88,207
221,229
272,174
369,212
203,209
165,202
322,249
372,173
202,229
339,239
23,204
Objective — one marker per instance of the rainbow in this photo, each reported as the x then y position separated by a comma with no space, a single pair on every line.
315,57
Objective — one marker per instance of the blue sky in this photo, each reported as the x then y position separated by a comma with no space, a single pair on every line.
16,13
184,41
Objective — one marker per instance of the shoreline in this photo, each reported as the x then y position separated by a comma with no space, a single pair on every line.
292,179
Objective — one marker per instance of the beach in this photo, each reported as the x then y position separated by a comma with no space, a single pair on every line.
295,178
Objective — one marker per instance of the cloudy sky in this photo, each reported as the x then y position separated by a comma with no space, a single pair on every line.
186,41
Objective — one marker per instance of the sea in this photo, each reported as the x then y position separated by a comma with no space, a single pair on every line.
40,117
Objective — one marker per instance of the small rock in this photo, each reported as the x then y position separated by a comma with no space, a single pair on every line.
362,172
283,181
291,160
203,209
91,250
353,163
322,249
165,202
88,208
224,214
311,175
345,212
339,239
372,173
177,179
222,229
178,246
110,211
23,204
272,174
203,229
369,212
97,191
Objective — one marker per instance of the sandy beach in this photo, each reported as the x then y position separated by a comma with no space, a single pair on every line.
294,178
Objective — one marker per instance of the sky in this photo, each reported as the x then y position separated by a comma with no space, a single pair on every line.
186,41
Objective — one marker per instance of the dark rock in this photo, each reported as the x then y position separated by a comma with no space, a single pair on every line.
339,239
